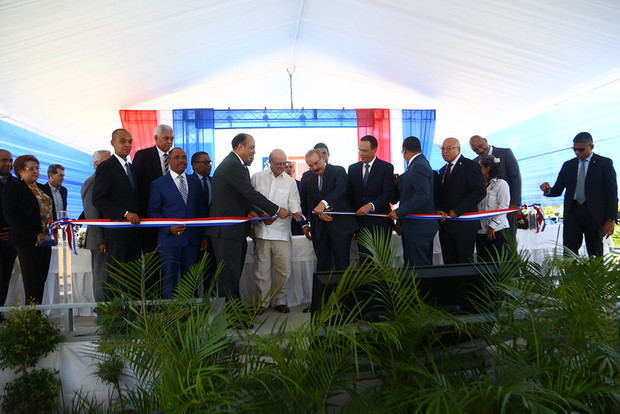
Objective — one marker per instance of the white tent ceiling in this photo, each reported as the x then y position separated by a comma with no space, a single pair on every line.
69,66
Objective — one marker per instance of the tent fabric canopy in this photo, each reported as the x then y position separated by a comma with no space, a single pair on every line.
68,67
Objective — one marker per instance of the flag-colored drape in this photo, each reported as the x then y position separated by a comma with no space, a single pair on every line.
141,125
376,122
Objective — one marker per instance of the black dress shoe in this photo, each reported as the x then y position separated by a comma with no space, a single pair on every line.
281,309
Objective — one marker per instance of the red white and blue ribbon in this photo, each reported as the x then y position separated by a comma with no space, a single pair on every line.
476,215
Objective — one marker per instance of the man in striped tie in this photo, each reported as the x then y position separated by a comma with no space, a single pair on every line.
149,164
177,195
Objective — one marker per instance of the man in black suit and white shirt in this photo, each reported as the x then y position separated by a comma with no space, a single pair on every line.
416,187
201,164
149,164
94,235
508,170
371,187
115,196
459,188
234,196
55,189
591,198
324,189
7,250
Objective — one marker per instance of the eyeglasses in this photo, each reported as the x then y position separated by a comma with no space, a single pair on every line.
204,162
279,164
448,148
579,149
31,168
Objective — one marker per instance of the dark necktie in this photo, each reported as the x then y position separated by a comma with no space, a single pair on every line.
166,166
132,180
446,173
207,189
320,182
366,173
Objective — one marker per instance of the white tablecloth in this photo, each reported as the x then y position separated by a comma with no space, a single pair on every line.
82,279
299,285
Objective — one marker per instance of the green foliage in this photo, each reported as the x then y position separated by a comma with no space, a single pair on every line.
26,335
33,393
546,341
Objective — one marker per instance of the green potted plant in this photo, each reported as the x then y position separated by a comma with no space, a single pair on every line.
26,336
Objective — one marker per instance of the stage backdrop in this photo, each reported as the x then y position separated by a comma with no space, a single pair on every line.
195,128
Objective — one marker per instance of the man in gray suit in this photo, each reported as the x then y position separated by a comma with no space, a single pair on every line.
94,235
508,170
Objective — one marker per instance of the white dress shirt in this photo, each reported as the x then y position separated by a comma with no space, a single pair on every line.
57,198
280,190
497,198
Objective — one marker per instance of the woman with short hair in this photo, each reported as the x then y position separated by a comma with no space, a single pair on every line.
27,210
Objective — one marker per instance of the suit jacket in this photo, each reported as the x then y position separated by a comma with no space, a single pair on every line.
233,195
463,189
94,234
166,201
147,167
509,171
22,213
600,187
205,193
334,191
3,222
113,196
379,190
63,195
418,196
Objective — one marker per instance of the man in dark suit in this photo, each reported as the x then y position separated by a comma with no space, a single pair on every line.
201,164
94,234
591,198
180,196
115,196
234,196
290,170
416,186
149,164
325,189
55,189
371,187
7,250
508,170
459,189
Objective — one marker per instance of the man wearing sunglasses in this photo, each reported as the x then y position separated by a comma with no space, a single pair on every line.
591,198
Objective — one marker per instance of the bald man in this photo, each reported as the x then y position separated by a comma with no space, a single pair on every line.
508,170
460,187
273,241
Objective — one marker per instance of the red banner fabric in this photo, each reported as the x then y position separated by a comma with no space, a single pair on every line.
376,122
141,125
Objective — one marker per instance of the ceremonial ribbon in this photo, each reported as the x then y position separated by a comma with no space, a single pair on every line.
476,215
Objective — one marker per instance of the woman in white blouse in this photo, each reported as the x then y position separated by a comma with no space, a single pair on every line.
493,231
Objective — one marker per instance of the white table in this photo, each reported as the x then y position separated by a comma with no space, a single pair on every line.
82,279
299,285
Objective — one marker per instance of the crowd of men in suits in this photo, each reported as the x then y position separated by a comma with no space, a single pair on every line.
156,184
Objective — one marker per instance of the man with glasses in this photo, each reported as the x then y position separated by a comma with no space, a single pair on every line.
591,198
460,187
273,240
